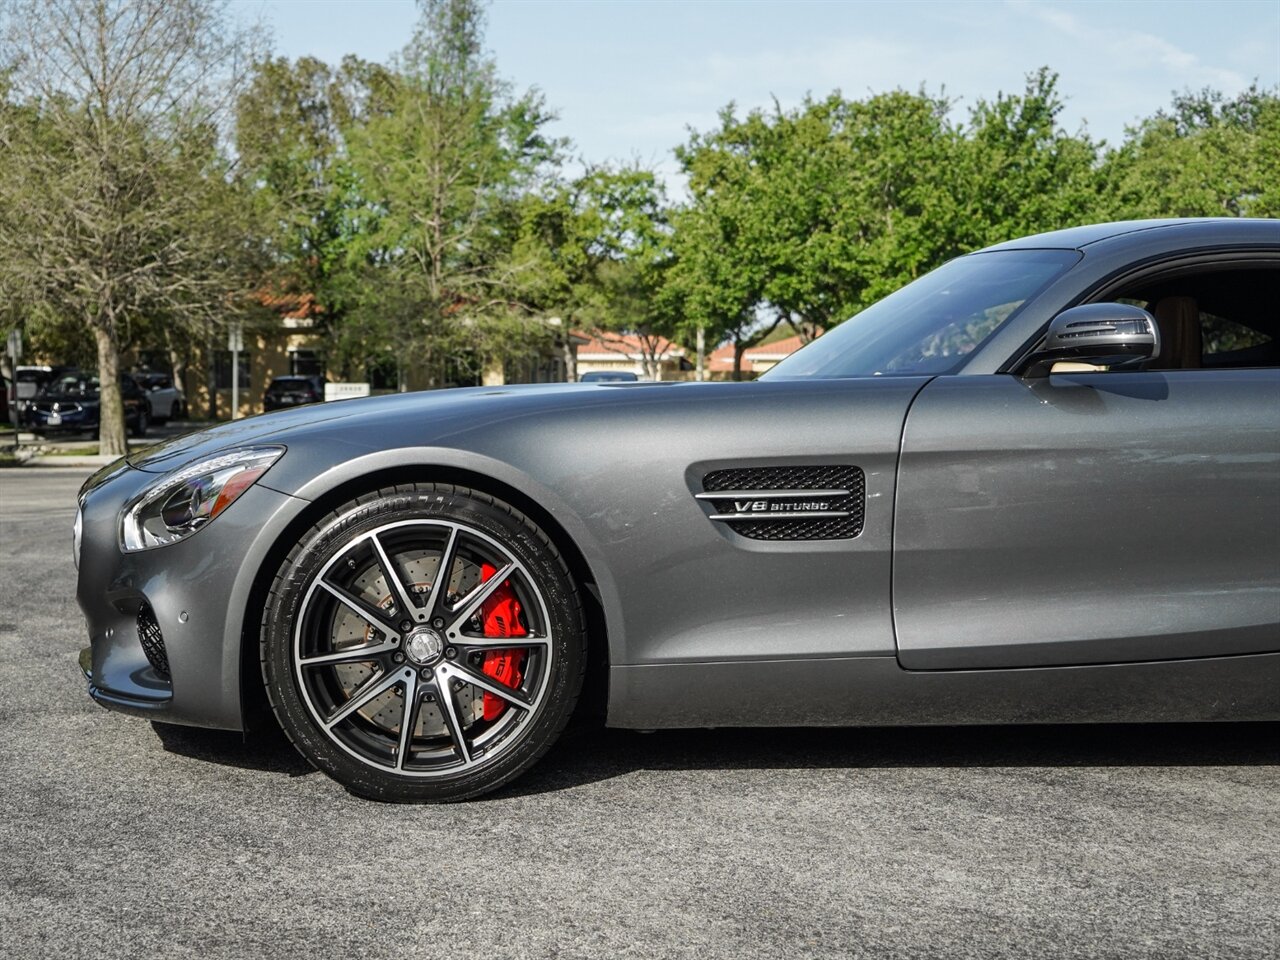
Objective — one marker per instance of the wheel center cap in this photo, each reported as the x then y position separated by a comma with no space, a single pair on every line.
424,646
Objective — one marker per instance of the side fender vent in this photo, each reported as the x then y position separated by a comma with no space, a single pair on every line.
788,503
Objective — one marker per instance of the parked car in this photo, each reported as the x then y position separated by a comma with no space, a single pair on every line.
1039,484
71,404
167,403
293,391
608,376
30,380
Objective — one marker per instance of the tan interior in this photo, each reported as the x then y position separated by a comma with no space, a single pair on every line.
1180,344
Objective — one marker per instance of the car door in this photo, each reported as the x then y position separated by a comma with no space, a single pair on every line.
1092,517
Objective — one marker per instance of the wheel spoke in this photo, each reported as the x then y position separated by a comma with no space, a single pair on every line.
364,611
449,713
372,688
488,684
500,643
471,602
443,572
365,651
405,606
409,719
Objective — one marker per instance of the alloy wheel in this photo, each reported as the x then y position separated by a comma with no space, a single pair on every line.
422,648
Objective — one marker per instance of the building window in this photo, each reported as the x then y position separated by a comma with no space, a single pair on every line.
222,370
305,363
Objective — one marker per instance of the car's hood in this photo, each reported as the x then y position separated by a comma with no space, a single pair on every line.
169,455
66,398
440,407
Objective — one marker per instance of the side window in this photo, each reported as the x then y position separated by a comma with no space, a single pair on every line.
1225,340
1213,318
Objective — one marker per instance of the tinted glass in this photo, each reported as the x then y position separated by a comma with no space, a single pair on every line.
73,386
931,325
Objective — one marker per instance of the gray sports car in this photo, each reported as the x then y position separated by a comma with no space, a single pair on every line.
1041,483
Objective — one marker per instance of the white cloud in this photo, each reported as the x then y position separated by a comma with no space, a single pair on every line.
1134,49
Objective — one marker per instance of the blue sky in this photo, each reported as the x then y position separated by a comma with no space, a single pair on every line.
629,78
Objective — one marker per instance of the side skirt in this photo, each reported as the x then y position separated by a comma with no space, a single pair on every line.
875,691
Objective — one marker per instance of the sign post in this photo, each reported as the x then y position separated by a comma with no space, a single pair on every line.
13,347
235,343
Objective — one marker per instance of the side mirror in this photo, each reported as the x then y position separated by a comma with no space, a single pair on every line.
1105,334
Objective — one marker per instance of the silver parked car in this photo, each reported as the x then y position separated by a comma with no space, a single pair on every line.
167,402
1041,483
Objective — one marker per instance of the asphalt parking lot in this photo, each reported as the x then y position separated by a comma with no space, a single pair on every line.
118,839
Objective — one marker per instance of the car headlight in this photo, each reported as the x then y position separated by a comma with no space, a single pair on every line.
77,534
179,504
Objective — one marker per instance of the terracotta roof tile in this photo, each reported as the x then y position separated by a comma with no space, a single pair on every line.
624,346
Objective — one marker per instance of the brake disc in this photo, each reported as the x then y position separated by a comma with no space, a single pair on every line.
349,630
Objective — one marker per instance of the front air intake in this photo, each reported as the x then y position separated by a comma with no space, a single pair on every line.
788,503
152,641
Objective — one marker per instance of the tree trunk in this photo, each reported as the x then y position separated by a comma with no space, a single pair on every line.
111,432
738,349
177,365
570,360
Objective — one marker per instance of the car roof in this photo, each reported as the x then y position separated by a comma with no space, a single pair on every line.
1074,238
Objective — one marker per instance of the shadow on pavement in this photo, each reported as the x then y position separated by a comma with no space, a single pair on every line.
268,749
587,755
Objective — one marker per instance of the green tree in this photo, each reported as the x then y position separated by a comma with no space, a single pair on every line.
1210,155
116,207
292,121
597,251
805,216
441,172
1019,172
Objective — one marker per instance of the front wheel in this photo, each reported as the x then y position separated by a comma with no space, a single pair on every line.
423,643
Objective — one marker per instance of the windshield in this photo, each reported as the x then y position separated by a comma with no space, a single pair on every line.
932,324
73,385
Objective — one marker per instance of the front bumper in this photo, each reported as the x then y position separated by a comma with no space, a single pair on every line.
47,423
197,592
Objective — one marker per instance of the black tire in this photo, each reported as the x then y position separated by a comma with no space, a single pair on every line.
367,751
140,425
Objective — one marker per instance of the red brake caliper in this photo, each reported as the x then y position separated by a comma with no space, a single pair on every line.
500,615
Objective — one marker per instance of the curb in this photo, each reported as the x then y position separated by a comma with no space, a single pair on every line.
56,461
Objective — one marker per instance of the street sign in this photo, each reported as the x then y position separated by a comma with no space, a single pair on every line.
345,391
14,345
235,343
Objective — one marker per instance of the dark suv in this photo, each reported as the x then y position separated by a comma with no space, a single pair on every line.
293,391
